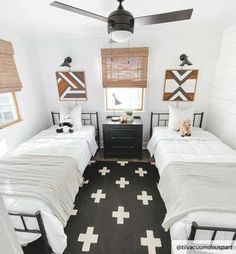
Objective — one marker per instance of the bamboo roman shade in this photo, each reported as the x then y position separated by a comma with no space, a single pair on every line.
124,67
9,79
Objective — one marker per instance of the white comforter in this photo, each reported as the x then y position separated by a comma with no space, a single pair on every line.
80,146
169,147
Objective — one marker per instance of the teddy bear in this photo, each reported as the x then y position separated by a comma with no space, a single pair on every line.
65,124
185,128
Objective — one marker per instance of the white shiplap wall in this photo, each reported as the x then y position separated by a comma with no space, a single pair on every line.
222,100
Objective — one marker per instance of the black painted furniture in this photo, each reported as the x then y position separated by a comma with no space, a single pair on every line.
123,139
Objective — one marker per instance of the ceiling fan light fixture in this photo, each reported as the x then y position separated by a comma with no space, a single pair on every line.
121,35
120,24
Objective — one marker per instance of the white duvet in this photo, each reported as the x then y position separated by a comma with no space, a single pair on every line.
169,147
80,146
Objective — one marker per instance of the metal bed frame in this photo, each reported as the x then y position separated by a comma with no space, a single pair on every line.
87,119
196,227
162,119
41,229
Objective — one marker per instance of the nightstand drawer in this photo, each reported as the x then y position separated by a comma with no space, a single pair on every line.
122,132
120,150
122,141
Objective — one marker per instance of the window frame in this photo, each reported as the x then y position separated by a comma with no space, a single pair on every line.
123,109
17,113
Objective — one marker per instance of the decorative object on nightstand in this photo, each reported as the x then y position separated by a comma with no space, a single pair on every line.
123,139
116,102
129,114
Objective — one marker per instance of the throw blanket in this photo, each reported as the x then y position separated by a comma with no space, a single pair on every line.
189,187
53,179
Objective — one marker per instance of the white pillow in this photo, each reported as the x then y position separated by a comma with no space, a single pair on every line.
177,115
74,114
64,112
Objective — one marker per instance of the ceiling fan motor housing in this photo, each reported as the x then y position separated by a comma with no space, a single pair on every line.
120,19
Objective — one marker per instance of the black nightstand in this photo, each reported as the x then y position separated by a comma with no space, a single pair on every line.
123,139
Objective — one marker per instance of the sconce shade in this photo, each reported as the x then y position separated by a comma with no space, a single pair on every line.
67,62
185,61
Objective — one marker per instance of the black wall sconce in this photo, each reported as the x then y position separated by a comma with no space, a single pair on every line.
67,62
185,61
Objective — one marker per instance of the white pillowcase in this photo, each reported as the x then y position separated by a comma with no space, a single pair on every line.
76,118
75,115
177,115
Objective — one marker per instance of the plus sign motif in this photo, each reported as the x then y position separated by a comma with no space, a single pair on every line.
92,162
145,198
88,238
151,242
73,212
120,215
122,163
98,196
140,172
122,182
84,182
104,171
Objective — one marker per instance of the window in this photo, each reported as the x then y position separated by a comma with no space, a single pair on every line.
130,98
124,73
9,113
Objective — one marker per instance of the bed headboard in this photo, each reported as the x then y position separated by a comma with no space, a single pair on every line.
87,119
161,119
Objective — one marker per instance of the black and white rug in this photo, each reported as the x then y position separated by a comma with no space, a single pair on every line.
118,210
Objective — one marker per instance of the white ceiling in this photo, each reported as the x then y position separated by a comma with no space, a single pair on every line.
38,18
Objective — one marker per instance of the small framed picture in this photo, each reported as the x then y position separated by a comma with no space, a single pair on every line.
71,85
180,85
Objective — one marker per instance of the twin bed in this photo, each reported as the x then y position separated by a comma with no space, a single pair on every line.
197,181
40,179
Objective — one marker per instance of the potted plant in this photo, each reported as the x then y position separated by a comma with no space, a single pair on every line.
129,113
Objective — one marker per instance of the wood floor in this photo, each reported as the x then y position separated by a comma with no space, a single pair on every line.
100,157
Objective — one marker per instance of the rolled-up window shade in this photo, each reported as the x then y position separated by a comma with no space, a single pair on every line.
124,67
9,79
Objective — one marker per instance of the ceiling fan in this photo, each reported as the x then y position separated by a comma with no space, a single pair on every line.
120,23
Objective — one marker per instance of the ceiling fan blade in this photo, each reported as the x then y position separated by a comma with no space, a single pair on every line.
164,17
78,11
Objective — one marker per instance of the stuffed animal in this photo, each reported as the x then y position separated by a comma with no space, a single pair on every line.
65,124
185,128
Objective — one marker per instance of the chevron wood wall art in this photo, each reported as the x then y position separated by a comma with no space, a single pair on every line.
180,85
71,86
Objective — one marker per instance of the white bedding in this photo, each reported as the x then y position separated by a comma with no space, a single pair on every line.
169,147
80,146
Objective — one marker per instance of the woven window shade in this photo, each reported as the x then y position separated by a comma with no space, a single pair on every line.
124,67
9,79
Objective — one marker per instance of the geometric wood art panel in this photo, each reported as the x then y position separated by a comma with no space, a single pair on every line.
71,85
180,85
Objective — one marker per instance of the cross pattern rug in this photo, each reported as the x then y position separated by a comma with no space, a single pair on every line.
118,210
